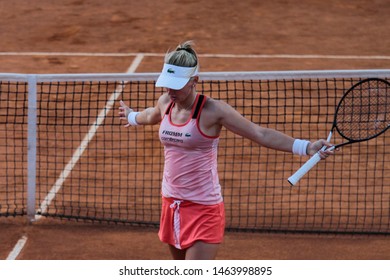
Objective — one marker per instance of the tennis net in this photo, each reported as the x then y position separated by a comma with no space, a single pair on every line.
66,154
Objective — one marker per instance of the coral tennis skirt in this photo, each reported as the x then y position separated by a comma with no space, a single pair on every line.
183,223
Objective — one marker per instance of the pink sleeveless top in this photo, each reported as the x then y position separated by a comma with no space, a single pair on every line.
190,170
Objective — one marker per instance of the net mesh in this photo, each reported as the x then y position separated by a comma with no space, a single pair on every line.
89,167
13,148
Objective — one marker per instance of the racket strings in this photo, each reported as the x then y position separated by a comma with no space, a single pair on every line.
363,112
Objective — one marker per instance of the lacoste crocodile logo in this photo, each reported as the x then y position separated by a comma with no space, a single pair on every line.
170,70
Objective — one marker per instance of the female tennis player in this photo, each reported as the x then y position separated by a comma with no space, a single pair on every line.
193,217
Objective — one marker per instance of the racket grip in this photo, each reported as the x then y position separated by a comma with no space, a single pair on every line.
293,179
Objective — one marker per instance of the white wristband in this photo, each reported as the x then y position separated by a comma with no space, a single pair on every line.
131,118
300,147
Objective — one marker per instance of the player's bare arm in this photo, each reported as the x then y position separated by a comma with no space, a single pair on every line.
218,113
149,116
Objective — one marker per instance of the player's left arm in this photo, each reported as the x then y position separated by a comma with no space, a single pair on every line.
230,118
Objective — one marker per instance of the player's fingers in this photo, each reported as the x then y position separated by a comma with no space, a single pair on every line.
122,112
122,106
326,153
326,143
323,154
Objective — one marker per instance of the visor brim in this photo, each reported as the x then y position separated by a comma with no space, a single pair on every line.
170,82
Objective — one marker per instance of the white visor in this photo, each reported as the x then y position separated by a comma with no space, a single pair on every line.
175,77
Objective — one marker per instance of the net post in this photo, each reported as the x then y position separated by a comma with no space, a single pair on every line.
32,146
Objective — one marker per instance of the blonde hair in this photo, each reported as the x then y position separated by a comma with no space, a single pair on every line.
184,55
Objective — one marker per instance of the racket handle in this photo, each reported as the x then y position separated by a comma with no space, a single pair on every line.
293,179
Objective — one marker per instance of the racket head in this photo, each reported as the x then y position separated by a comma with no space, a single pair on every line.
363,112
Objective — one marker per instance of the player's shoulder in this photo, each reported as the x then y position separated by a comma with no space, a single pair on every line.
217,109
216,104
164,100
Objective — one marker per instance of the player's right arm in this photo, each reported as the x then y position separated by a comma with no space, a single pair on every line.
148,116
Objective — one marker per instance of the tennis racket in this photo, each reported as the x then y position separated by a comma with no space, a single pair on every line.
362,114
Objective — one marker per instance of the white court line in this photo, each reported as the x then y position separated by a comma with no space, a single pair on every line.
285,56
17,248
88,137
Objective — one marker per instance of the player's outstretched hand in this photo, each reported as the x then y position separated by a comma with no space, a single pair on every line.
124,112
317,147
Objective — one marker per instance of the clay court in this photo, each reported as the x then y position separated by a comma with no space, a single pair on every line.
87,36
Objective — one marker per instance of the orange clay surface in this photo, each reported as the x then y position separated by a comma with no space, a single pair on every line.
355,28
